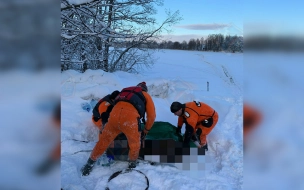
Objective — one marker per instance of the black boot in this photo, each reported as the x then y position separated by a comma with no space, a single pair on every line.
132,164
86,169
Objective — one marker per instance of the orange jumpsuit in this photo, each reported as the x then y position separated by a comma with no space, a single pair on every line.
125,118
194,114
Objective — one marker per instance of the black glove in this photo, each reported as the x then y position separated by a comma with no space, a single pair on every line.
104,117
96,118
207,122
178,130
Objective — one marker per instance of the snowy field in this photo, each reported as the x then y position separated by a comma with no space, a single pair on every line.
176,76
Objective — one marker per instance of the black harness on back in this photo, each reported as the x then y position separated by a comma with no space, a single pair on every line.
103,116
134,96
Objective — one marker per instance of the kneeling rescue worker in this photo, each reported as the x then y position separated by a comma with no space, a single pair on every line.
199,118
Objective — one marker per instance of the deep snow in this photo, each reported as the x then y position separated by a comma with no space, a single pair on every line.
176,76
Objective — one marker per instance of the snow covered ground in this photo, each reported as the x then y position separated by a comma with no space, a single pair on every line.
176,76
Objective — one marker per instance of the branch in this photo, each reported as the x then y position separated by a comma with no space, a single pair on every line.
69,6
170,20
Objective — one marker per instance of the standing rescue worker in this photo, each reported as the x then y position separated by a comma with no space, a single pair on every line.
102,109
199,119
131,105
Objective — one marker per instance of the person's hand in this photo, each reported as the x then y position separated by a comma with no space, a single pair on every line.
178,130
96,119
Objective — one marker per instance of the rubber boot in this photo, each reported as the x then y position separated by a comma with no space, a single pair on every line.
132,164
86,169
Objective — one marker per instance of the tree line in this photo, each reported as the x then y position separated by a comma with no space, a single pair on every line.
214,42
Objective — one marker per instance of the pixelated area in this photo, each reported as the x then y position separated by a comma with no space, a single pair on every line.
170,148
163,151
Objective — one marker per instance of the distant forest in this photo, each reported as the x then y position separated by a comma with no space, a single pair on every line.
214,42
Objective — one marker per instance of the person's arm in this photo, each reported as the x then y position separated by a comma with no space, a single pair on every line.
105,115
190,127
188,134
150,111
180,123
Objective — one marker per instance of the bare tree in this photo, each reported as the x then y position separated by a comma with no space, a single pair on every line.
111,34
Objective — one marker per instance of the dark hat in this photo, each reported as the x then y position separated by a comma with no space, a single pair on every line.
143,86
114,94
175,106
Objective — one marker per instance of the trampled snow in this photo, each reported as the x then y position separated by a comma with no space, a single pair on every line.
213,78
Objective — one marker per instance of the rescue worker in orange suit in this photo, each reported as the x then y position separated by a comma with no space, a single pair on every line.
102,109
131,105
199,119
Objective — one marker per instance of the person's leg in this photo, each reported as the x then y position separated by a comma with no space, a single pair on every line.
105,138
133,136
108,135
206,130
130,127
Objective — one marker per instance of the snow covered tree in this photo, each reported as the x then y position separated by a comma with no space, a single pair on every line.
233,44
110,34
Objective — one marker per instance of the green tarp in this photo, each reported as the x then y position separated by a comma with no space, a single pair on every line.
163,130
